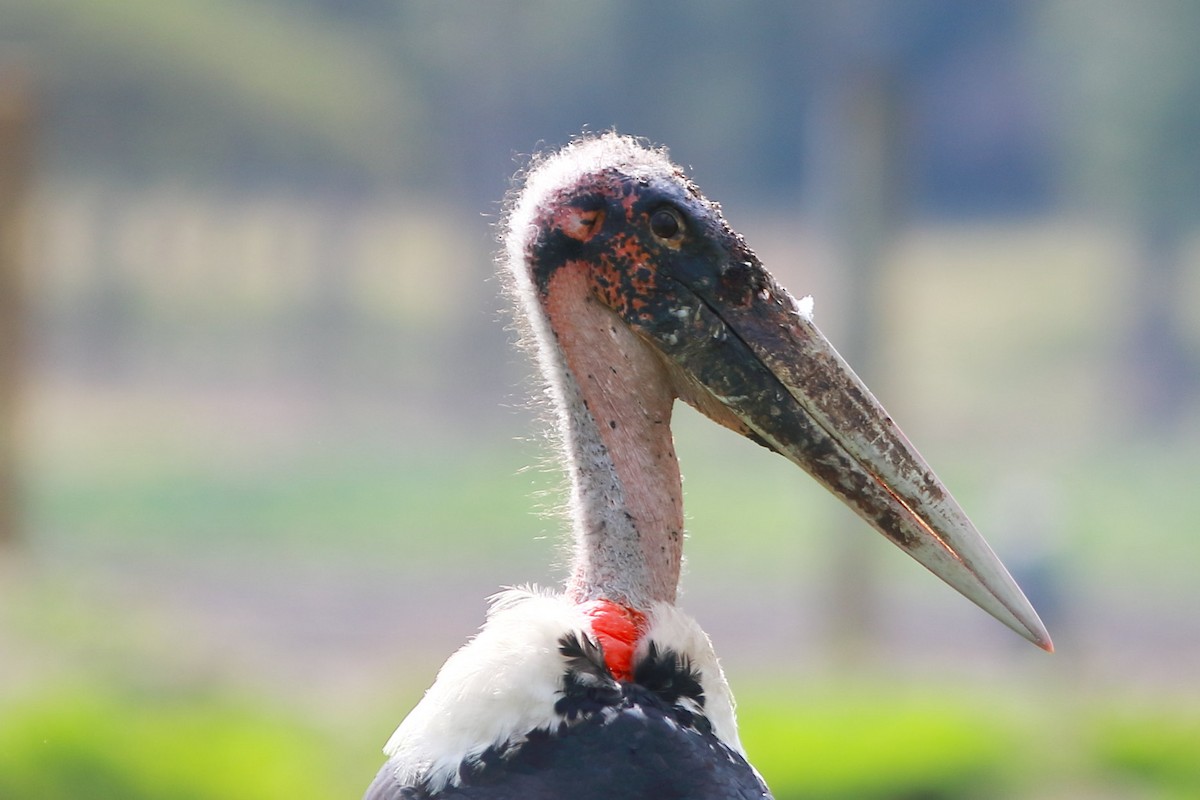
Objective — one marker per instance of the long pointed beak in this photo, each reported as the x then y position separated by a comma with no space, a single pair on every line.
748,355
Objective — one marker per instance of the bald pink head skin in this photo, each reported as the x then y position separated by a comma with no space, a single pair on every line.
638,292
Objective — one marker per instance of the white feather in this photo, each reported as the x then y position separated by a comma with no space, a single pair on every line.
501,684
671,629
505,682
804,307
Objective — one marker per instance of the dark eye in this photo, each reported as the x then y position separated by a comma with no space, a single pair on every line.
666,223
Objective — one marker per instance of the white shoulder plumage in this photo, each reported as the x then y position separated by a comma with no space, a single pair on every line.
504,681
671,629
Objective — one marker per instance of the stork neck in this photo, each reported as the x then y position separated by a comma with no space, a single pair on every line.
615,405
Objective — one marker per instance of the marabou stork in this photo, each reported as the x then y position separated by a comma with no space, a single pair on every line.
637,292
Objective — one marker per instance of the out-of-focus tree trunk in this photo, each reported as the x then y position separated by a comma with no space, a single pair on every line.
1127,89
863,181
1161,369
16,155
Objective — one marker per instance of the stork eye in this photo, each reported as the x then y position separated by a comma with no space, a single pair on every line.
666,223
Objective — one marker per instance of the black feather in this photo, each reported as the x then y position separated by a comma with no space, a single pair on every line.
584,656
669,675
588,685
636,741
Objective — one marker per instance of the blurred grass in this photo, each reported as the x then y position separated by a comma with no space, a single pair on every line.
164,483
121,476
857,743
126,469
431,507
1159,748
849,739
425,502
112,744
87,732
835,741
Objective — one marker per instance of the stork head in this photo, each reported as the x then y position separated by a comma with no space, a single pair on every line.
644,244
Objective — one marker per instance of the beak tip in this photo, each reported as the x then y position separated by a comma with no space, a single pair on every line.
1031,628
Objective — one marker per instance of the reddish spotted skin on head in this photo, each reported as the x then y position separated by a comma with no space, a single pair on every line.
601,226
617,628
606,226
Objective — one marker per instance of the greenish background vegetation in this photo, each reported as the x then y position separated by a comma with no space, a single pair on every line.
275,441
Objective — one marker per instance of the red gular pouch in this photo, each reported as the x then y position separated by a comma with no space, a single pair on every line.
617,629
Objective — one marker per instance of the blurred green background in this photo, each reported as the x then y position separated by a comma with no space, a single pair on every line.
273,446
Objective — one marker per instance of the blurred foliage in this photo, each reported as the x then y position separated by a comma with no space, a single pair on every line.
842,741
427,507
222,89
106,744
1011,101
173,481
1129,78
1161,749
843,746
1013,105
441,96
849,740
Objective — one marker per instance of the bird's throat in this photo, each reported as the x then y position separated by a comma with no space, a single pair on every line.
626,493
